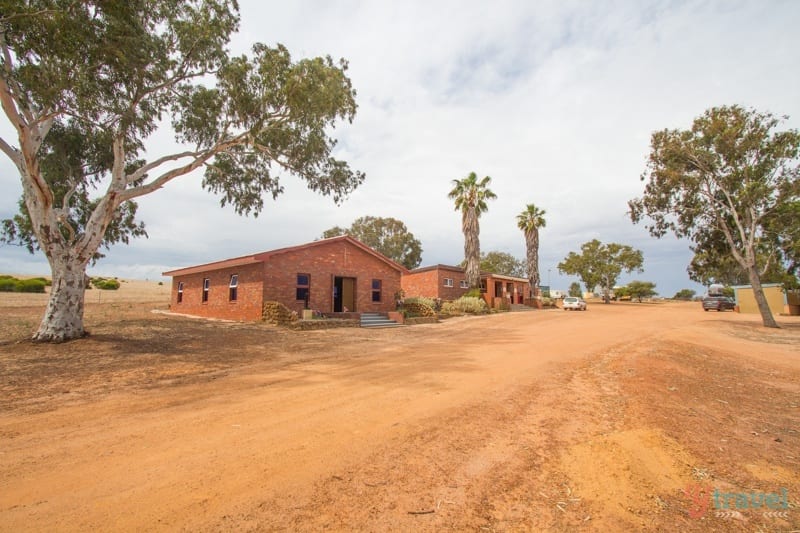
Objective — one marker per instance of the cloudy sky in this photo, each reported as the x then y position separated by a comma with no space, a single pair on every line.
556,101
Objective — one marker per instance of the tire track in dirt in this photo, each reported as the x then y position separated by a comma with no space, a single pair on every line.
492,465
594,446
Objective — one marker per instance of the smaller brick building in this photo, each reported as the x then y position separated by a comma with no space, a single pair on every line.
436,281
337,275
449,283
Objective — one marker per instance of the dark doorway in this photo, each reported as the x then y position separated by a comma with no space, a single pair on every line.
344,295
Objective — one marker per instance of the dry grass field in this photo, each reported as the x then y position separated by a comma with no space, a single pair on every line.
629,417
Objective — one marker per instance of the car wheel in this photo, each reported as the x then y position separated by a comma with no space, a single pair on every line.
706,310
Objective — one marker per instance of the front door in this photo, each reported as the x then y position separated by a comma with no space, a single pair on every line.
344,294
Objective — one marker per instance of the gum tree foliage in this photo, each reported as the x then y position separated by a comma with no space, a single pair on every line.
641,289
529,221
470,196
388,236
684,294
85,84
575,289
713,263
730,184
500,263
601,264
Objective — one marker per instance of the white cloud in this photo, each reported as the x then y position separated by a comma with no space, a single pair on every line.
555,100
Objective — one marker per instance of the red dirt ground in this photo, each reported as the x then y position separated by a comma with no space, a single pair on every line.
608,420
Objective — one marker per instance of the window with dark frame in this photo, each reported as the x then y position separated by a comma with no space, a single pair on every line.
376,290
463,284
303,287
448,282
206,286
483,285
180,292
233,288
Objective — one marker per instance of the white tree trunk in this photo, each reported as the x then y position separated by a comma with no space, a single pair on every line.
758,292
63,318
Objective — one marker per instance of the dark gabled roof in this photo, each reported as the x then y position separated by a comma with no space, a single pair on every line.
216,265
263,256
346,238
461,270
437,267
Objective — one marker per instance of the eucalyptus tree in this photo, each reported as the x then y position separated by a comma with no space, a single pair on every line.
500,263
84,85
387,235
529,221
600,264
730,184
470,196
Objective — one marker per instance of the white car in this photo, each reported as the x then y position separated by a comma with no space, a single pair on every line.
572,303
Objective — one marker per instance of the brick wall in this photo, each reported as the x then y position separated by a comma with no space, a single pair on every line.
511,291
455,292
247,305
421,284
323,262
430,284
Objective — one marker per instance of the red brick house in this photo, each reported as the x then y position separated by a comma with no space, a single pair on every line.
436,281
449,283
333,275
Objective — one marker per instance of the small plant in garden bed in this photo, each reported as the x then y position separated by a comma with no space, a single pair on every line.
465,305
419,306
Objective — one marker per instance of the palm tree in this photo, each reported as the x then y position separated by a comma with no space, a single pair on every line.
529,221
470,197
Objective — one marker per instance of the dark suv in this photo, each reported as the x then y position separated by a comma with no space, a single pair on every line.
720,303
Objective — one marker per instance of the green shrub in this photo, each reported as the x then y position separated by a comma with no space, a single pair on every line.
12,284
105,284
472,293
430,302
419,306
465,304
31,285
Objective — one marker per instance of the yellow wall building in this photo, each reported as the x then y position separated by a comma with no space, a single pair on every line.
780,302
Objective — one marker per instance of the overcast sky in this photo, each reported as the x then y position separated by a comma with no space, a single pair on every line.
556,101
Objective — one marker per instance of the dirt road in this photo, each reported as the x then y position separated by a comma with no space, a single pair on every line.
612,419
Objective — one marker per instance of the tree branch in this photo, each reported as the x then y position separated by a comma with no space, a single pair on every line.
141,171
28,146
199,160
13,154
10,108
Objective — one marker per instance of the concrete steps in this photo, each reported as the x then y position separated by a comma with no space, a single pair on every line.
377,320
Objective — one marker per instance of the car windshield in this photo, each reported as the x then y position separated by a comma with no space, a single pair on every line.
570,300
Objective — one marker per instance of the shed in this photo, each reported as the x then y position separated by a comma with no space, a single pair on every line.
780,301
